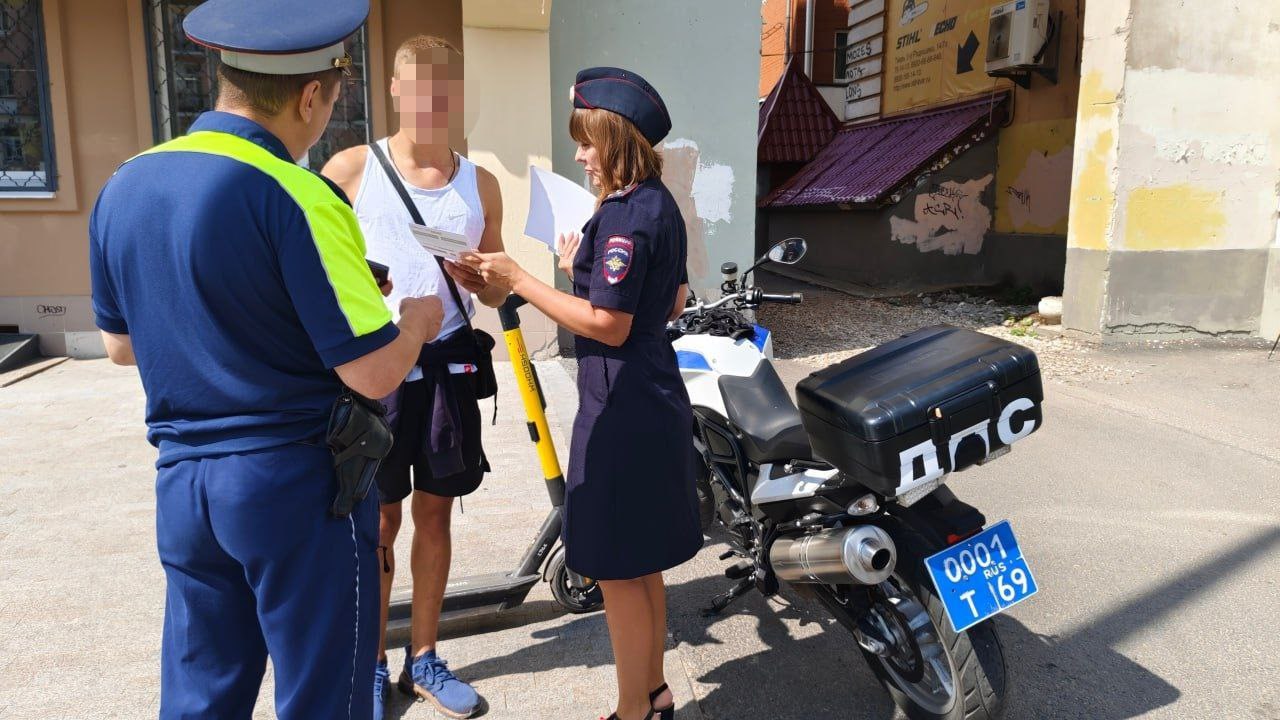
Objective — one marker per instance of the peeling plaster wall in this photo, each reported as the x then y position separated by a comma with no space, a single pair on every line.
1033,177
1174,192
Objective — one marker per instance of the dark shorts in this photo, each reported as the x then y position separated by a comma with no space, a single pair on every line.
407,453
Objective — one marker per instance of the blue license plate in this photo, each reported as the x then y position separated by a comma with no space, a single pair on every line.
981,576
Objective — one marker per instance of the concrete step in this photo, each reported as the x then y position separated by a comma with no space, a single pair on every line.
17,349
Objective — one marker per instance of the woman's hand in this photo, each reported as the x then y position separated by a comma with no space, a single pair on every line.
567,249
497,269
465,277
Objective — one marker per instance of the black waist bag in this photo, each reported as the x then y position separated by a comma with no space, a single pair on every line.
486,379
359,438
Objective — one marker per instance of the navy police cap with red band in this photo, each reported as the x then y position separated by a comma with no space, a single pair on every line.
627,94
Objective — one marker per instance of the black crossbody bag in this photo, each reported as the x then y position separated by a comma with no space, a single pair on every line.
486,380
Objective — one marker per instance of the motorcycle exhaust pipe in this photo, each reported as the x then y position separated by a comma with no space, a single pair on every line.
864,555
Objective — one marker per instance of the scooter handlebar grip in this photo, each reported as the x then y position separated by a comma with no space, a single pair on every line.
792,299
507,312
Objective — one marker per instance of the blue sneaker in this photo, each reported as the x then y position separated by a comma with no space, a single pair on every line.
428,677
381,688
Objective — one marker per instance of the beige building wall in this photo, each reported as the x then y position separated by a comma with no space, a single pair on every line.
100,115
508,74
1174,190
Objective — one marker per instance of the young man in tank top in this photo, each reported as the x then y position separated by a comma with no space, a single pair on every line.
450,193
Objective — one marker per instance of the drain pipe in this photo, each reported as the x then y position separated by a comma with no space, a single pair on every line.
787,37
809,6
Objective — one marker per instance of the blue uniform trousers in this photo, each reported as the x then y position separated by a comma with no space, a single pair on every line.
257,566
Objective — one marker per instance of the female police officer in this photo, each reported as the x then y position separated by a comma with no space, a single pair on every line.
631,510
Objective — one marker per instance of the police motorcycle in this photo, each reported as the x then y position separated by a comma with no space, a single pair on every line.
845,498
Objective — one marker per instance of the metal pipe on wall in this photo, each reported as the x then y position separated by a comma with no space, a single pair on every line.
809,6
787,37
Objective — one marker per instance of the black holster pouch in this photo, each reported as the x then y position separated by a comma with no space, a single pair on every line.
359,438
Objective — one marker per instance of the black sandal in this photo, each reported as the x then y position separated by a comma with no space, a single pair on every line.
615,716
666,713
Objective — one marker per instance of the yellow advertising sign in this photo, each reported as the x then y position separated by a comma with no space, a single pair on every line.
935,52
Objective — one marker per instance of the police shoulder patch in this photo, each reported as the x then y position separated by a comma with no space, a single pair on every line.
618,251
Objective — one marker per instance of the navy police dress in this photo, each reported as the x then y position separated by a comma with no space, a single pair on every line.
632,506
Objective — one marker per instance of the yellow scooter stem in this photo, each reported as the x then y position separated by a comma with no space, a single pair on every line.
531,396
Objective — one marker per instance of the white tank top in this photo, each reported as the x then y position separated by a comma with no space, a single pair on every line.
385,222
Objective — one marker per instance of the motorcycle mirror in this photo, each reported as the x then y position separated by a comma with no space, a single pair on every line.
789,251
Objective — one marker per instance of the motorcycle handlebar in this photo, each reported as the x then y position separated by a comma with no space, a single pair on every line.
748,295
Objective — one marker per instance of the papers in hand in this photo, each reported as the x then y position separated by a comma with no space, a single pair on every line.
440,242
557,205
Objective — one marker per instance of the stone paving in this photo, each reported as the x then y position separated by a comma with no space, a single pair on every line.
1150,513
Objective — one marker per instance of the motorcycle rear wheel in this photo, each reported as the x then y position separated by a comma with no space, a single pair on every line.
934,673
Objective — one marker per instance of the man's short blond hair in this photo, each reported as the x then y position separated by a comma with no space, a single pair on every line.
411,48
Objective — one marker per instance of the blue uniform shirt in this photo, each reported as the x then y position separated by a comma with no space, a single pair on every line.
241,284
633,254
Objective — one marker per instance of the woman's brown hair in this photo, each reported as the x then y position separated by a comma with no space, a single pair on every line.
626,157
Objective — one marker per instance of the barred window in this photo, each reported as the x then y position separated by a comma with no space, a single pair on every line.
184,80
26,135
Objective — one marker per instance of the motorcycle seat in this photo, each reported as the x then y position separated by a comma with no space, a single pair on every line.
766,418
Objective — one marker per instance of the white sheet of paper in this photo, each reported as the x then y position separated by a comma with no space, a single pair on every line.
557,205
440,242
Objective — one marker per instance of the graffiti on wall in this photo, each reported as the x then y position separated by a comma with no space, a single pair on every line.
1039,197
704,193
951,216
1033,177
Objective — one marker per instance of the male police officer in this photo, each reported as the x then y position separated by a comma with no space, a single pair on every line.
236,281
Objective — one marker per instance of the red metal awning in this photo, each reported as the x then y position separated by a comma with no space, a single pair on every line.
868,164
795,121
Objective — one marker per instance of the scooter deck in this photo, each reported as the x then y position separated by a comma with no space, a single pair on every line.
467,597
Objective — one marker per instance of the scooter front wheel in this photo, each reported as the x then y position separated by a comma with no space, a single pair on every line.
569,594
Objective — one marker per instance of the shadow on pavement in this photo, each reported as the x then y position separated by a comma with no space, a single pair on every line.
823,674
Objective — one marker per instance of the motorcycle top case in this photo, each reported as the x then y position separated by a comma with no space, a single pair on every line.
912,410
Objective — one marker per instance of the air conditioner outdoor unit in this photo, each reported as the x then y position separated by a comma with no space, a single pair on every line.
1016,34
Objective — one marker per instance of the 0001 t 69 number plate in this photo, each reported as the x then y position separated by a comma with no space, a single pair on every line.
981,576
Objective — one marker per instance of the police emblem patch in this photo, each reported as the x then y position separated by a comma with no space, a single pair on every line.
617,258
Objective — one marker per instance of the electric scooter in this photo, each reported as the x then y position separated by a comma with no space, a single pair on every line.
494,593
